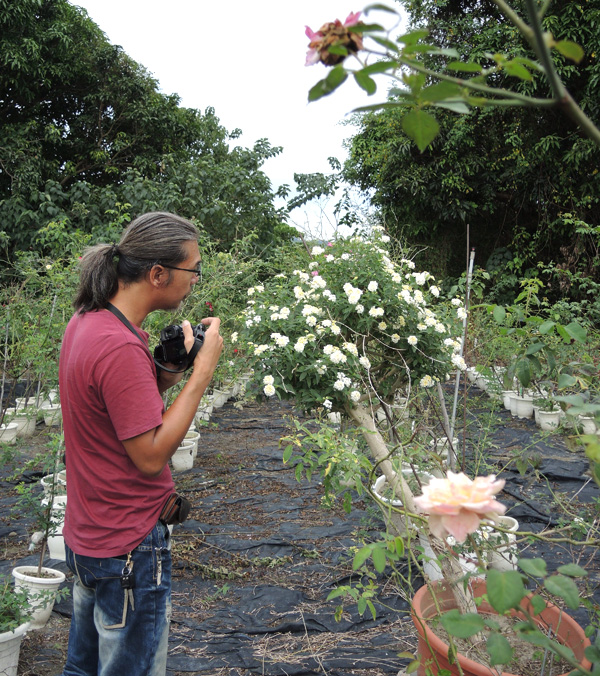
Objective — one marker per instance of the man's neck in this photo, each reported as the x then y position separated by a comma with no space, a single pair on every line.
132,305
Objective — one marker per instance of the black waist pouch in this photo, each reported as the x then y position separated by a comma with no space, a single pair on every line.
175,510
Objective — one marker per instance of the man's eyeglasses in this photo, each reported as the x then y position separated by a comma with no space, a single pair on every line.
196,271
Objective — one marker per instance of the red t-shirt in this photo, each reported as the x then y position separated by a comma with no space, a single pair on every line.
108,393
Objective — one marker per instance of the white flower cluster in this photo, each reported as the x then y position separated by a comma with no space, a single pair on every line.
352,293
341,382
335,355
269,388
459,362
282,313
280,341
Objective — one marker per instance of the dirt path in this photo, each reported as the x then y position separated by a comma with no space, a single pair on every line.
254,564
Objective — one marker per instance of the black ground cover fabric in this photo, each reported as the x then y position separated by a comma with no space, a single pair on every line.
254,564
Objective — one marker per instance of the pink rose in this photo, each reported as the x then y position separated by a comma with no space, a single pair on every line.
456,505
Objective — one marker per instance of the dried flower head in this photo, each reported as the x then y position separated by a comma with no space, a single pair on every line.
333,34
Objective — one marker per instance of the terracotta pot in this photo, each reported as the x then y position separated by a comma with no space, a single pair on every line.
434,652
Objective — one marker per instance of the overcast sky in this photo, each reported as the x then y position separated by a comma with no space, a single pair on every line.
246,60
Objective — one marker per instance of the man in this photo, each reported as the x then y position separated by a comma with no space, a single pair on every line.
118,441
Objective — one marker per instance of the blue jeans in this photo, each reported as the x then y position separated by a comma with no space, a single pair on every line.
114,632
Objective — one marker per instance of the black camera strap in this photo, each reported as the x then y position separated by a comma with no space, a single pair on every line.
123,319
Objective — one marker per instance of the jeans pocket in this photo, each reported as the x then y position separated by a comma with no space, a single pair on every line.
109,611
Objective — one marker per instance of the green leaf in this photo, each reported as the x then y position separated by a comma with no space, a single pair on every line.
364,28
413,666
562,332
572,570
421,127
439,92
545,327
360,557
576,331
365,82
384,42
287,454
535,347
380,67
537,604
413,37
338,591
499,314
517,70
338,49
334,79
379,559
505,590
462,626
468,67
533,567
533,636
566,380
592,653
565,588
523,372
570,49
383,8
498,649
457,106
399,545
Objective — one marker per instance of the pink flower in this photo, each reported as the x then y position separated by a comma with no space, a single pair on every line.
333,33
457,505
315,273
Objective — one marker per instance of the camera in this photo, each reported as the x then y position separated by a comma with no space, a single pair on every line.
171,347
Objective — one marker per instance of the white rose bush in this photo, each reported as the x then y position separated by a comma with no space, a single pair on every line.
353,328
348,333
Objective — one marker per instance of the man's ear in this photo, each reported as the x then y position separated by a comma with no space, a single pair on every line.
159,276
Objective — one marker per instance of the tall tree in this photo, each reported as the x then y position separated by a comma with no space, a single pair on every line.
521,177
81,123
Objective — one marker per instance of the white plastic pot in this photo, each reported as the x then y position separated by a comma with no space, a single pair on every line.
220,397
10,648
588,424
183,458
25,420
52,414
507,396
548,421
504,555
41,591
60,483
8,432
192,436
522,407
56,541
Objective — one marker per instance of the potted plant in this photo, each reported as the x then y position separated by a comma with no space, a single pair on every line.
14,624
41,582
